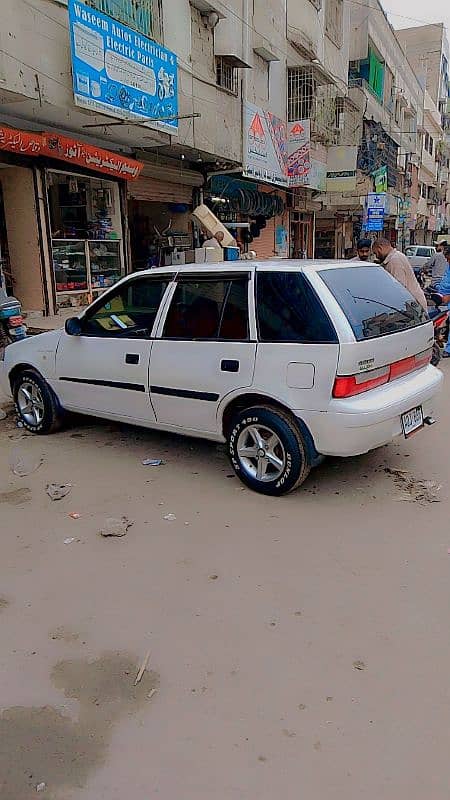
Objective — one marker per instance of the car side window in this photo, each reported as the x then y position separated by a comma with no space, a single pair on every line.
409,251
209,309
288,310
130,312
423,252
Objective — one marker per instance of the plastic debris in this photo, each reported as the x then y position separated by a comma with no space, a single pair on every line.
116,527
359,665
41,787
70,540
150,694
74,515
56,491
152,462
142,668
170,517
23,463
3,414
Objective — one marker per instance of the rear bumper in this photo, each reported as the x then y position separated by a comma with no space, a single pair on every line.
359,424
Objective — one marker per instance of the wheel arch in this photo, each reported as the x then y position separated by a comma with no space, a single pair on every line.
248,399
22,367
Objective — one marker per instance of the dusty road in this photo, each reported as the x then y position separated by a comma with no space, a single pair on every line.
299,647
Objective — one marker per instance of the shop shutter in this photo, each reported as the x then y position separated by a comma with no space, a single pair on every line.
155,191
264,244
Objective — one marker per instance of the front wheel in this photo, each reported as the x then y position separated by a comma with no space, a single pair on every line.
36,404
267,450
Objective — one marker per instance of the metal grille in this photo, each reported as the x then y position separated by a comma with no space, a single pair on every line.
144,16
226,76
334,119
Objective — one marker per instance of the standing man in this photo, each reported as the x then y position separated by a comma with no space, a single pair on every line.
438,263
399,267
363,249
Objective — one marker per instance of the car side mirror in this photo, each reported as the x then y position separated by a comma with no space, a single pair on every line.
73,326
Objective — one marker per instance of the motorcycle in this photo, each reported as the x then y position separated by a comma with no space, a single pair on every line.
12,325
438,313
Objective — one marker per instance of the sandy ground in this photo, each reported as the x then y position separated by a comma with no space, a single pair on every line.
299,647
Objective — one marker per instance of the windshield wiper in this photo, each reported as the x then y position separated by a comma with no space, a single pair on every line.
385,305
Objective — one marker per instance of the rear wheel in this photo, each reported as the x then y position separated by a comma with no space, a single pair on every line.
436,357
36,404
267,450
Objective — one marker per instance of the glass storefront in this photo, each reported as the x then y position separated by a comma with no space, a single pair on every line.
86,227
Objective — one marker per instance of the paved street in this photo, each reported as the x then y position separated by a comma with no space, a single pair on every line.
298,647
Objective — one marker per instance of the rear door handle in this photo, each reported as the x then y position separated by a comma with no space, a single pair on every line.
229,365
132,358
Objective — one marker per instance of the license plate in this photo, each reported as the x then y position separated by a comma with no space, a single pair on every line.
412,421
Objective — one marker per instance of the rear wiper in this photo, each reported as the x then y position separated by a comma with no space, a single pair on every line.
385,305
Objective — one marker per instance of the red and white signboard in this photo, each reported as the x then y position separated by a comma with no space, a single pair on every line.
72,151
299,152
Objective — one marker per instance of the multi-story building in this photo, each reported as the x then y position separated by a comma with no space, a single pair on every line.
389,97
427,49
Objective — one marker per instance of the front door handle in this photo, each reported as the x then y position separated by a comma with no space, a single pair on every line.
229,365
132,358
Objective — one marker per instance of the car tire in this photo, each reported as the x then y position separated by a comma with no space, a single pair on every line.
267,450
436,357
36,404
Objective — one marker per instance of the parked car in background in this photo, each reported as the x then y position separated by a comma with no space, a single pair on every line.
285,361
418,254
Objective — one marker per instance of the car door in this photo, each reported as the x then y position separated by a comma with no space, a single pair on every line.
105,369
204,350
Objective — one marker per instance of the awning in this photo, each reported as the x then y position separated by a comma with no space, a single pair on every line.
71,151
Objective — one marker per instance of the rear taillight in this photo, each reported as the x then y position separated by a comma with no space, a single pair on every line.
351,385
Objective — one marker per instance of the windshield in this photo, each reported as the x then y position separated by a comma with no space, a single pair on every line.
374,303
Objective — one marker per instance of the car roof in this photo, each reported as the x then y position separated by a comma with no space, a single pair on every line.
256,265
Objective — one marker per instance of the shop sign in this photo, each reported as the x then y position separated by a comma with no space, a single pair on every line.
120,72
86,155
299,152
380,177
317,178
69,150
404,210
23,142
374,214
341,169
265,146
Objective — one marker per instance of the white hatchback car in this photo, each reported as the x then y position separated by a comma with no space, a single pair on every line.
286,361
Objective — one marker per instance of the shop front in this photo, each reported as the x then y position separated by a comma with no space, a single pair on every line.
86,235
62,218
160,205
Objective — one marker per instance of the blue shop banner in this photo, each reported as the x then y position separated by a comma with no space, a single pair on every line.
120,72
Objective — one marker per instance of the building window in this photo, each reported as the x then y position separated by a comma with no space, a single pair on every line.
226,75
334,17
144,16
430,145
426,141
301,93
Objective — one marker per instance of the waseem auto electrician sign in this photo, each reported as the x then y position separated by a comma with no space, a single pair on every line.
119,72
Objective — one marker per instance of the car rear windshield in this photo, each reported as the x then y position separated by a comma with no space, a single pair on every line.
374,303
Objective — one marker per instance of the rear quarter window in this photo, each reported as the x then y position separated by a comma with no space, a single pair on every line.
288,310
374,303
